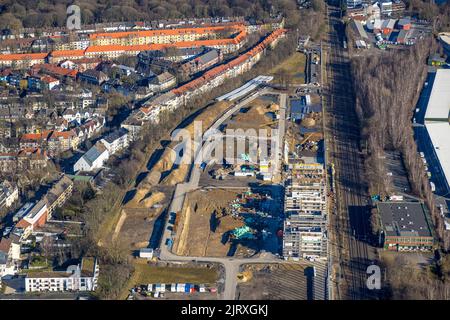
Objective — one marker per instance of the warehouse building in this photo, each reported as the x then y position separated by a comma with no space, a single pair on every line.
405,226
359,29
437,123
444,37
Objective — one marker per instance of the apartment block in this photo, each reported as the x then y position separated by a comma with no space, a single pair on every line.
81,277
305,226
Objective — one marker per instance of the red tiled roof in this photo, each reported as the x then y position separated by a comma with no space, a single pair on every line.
5,245
23,224
48,79
67,53
36,136
23,56
162,32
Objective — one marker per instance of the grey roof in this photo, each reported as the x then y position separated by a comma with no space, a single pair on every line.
208,56
110,138
360,29
406,219
403,34
93,153
3,258
36,208
162,78
404,21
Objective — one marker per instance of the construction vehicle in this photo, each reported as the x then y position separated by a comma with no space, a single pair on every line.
242,233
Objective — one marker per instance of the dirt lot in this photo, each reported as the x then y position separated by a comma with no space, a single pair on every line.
195,237
274,282
253,116
135,227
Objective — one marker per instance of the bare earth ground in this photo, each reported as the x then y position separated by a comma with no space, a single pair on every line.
274,282
254,117
195,238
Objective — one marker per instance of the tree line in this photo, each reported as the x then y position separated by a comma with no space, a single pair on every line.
16,14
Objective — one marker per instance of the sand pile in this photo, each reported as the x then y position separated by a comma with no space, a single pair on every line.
151,199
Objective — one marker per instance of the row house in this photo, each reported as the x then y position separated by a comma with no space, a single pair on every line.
9,194
210,79
114,45
36,216
59,55
77,115
59,142
93,77
158,36
34,140
9,256
80,65
22,60
58,194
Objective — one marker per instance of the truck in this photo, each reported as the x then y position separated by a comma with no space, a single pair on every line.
433,186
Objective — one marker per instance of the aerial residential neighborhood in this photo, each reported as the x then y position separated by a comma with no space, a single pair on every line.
217,150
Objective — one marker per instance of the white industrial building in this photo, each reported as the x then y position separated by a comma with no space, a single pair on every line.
437,121
93,159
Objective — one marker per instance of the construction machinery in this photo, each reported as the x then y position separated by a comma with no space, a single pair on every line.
241,233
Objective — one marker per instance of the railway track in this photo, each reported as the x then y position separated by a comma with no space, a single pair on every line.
352,221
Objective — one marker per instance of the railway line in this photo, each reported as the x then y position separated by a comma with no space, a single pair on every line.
351,223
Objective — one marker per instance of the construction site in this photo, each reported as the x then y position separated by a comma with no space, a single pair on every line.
238,223
304,134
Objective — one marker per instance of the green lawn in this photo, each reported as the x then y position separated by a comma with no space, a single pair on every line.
293,67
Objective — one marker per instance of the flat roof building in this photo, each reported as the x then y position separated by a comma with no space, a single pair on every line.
405,226
437,121
304,233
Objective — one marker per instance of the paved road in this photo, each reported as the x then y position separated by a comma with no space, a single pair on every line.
351,222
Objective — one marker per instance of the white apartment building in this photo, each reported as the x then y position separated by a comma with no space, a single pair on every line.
116,141
8,194
82,277
305,227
